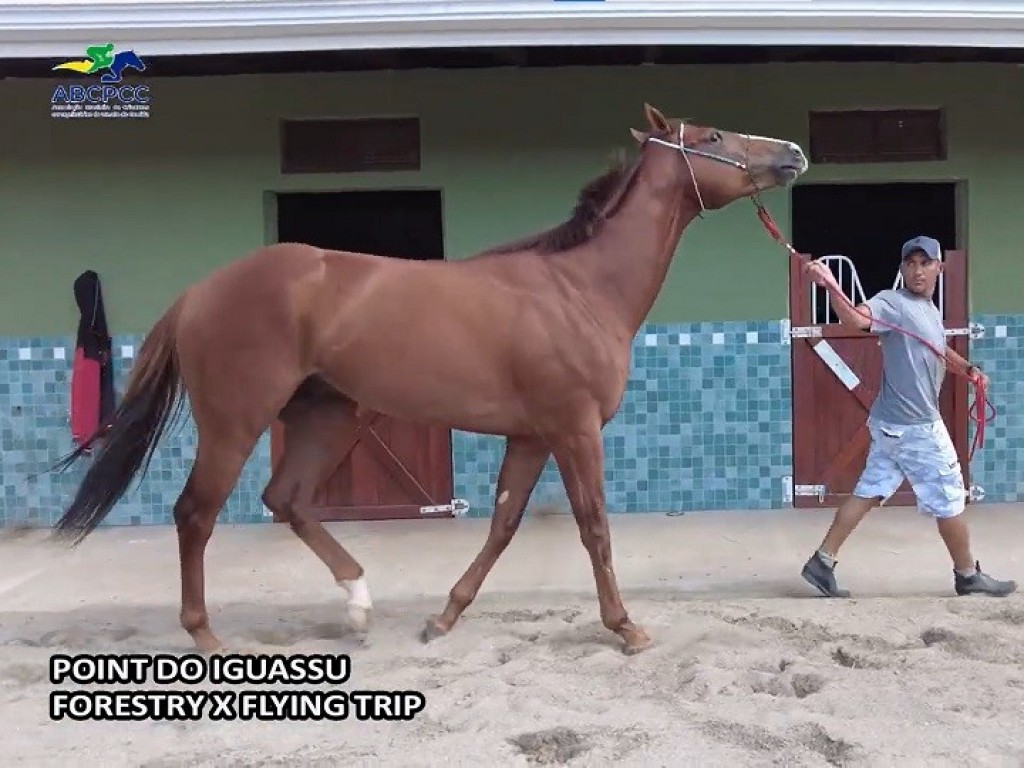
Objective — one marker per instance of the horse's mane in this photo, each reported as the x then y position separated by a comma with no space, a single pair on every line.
596,202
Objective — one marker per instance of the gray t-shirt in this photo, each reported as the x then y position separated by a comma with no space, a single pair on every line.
912,374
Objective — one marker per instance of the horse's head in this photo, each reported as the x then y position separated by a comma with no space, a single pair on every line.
720,166
124,59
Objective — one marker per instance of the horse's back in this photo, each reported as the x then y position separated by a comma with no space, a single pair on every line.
267,285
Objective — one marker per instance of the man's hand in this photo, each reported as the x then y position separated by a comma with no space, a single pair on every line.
821,275
978,377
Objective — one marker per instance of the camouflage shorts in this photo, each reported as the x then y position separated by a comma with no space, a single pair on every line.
921,453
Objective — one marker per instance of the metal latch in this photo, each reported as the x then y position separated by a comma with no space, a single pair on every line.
811,490
974,330
458,507
806,332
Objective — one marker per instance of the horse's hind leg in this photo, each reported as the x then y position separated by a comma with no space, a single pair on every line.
520,470
319,426
219,462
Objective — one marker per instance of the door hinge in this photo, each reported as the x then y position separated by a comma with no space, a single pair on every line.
806,332
458,507
974,330
811,490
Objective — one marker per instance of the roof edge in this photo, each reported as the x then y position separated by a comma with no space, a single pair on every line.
165,27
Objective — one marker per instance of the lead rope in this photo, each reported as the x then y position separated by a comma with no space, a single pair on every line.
975,412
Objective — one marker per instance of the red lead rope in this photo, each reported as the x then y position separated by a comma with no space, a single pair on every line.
976,413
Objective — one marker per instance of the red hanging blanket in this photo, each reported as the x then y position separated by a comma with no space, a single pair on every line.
92,380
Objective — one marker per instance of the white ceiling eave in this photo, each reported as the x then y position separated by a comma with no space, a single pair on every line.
58,28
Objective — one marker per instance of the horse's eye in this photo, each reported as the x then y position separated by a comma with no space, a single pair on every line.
715,137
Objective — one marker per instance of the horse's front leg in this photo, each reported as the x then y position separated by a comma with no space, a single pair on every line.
580,458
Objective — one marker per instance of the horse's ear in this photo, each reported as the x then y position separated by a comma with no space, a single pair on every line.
640,136
656,120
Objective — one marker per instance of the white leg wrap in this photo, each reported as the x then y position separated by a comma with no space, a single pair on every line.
358,593
359,602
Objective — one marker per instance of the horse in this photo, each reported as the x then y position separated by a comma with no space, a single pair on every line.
529,340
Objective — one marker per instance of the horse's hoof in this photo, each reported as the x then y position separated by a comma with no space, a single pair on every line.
636,640
432,631
206,642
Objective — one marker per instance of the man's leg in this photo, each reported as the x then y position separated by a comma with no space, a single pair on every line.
933,468
847,518
879,480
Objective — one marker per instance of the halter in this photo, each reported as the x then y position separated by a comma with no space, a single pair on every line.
685,151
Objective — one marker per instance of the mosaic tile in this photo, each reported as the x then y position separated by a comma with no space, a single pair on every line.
705,423
35,433
998,464
702,400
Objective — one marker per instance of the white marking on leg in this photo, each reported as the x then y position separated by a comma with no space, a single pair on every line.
359,602
503,497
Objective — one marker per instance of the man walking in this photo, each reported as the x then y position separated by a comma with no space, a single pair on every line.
908,437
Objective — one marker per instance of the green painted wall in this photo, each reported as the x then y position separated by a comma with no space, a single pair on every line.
153,205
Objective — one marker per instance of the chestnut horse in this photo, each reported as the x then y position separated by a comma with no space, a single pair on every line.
530,341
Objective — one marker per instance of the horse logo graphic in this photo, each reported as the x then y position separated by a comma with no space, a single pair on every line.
103,57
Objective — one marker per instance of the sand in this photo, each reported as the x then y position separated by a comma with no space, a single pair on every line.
748,668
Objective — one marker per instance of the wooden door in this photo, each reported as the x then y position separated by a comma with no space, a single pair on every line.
391,469
836,376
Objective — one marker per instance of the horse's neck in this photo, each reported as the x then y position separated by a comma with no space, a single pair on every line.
630,257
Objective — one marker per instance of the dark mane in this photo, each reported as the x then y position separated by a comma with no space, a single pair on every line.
596,202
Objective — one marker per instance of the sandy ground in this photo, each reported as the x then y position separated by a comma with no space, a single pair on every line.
749,667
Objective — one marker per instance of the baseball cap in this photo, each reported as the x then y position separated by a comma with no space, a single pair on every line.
929,245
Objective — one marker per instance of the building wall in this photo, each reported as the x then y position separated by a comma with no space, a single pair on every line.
153,205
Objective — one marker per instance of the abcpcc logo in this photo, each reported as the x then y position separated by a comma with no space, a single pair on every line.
107,99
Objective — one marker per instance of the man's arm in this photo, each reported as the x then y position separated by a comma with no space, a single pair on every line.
859,317
954,359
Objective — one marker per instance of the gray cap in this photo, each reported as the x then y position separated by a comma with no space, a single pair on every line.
929,245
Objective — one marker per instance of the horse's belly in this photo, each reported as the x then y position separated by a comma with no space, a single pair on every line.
454,384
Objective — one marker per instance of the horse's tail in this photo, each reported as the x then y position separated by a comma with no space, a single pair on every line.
130,435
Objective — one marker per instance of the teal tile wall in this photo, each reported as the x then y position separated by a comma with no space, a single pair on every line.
35,375
998,466
704,424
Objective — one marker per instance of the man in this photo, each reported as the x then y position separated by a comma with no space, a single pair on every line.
908,437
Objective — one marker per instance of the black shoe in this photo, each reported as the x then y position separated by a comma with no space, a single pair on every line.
821,576
982,584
